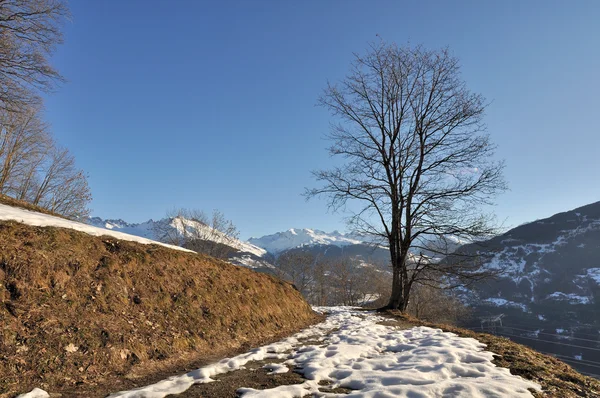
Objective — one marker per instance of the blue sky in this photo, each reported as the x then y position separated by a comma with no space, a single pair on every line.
211,105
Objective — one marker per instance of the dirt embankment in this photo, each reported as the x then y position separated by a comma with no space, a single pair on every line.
78,311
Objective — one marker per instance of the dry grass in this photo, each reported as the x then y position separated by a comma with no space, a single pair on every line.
80,311
558,380
7,200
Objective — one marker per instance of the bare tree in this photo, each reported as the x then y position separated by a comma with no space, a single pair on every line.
435,304
354,282
298,267
24,144
417,159
61,186
214,235
320,293
30,30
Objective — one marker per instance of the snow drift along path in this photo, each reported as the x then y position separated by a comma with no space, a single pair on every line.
9,213
373,360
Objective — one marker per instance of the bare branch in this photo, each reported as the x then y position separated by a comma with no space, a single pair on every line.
417,158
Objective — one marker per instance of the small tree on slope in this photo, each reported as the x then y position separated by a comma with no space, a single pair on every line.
417,159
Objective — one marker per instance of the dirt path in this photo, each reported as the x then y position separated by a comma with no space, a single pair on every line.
258,377
358,353
352,352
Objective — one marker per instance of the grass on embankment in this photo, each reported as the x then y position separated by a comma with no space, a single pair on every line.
78,311
558,380
7,200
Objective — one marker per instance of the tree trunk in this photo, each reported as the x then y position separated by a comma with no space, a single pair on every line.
397,299
400,290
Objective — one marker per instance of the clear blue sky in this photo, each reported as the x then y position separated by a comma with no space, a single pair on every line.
212,104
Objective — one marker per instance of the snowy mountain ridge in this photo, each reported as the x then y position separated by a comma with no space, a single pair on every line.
301,237
176,228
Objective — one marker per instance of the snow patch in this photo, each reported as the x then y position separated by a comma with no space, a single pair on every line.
35,393
9,213
373,360
594,273
571,298
276,368
500,302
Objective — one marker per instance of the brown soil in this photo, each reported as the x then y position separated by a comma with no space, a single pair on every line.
79,312
558,380
254,376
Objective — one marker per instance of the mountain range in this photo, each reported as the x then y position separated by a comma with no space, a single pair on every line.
257,253
550,267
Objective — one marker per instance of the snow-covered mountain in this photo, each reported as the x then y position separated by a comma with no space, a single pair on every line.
302,237
551,268
175,230
176,227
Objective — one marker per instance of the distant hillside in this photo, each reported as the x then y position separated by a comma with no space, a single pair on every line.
550,291
550,265
82,309
175,226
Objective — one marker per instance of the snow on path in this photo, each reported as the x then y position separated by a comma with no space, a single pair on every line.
35,393
44,220
373,360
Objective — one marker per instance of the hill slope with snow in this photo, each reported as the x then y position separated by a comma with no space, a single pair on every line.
549,292
10,213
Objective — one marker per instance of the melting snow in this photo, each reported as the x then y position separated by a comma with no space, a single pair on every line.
45,220
572,298
500,302
35,393
275,368
371,359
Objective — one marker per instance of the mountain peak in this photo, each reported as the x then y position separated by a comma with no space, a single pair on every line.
299,237
176,226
